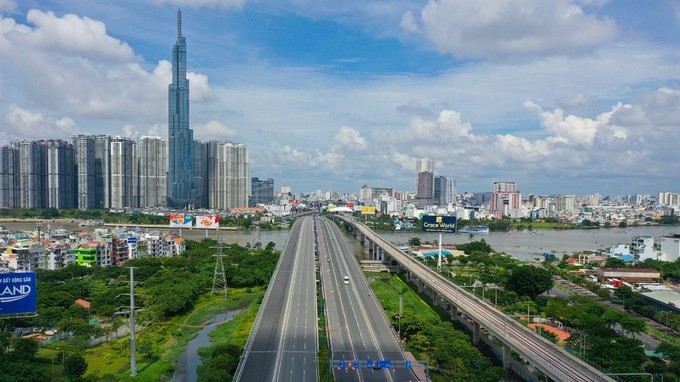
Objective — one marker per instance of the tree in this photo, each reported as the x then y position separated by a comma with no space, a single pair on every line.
529,281
74,367
414,242
613,262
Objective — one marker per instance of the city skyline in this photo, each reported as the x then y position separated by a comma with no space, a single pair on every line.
580,97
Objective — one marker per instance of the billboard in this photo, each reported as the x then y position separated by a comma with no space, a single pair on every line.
181,220
368,210
208,221
439,223
17,293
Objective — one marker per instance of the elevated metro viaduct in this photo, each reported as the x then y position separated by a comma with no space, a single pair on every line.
505,334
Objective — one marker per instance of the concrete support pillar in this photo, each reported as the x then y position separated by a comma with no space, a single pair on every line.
454,313
507,357
362,240
435,298
475,333
370,250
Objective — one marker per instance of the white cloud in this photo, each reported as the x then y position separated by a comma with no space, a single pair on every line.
214,130
348,140
205,3
501,29
25,124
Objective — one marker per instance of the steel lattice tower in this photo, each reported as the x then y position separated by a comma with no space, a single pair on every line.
219,277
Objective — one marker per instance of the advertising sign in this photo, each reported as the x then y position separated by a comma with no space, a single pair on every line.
181,220
17,293
368,210
439,223
208,221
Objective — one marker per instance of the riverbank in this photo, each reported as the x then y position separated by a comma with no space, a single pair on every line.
160,344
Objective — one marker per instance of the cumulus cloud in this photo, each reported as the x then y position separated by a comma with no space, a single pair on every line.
501,29
214,130
71,65
348,140
571,129
25,124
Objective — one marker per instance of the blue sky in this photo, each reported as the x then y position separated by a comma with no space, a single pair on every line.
565,96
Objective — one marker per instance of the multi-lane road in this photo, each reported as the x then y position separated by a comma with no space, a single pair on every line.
283,343
547,357
357,327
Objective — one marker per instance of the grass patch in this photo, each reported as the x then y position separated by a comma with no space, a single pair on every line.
164,341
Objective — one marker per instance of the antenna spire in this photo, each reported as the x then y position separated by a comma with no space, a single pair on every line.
179,23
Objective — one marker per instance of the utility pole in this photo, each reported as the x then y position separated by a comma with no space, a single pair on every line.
133,336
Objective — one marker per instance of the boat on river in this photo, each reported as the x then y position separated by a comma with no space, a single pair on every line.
475,229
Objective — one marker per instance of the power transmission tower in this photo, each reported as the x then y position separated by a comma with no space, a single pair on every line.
219,277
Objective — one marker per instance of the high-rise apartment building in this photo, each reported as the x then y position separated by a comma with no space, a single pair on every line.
505,200
152,172
9,177
444,191
201,180
102,171
32,173
228,173
424,178
565,203
60,175
123,171
180,137
83,148
262,190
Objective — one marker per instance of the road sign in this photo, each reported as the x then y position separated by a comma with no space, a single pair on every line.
356,364
342,364
408,364
369,363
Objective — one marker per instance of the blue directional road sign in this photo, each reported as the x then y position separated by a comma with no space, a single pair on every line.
408,364
342,364
356,364
369,363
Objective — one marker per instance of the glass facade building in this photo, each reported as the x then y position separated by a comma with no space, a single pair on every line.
181,190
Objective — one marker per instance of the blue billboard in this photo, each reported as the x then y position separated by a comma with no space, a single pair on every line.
17,293
433,223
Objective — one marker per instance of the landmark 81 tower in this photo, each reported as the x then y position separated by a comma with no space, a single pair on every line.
181,190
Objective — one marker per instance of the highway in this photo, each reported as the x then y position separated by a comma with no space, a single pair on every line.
546,356
357,326
283,343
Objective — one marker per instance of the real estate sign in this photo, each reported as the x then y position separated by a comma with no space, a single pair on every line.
433,223
208,221
181,220
17,293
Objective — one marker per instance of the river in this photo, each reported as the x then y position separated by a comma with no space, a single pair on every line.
189,360
523,245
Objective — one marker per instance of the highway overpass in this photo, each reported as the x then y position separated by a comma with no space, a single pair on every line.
541,354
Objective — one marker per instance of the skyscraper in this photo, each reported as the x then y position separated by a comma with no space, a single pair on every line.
152,174
83,146
424,178
102,171
60,174
180,136
9,177
123,190
228,174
